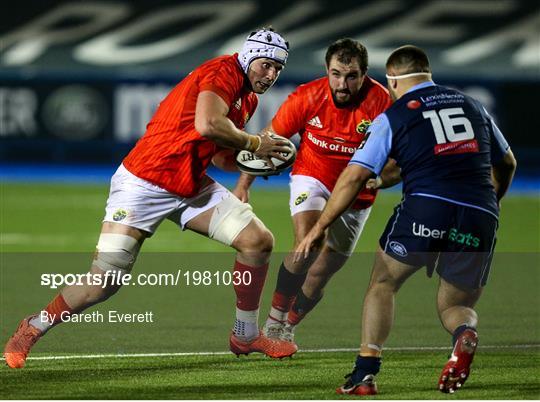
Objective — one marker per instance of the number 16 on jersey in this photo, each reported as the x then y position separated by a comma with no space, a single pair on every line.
446,123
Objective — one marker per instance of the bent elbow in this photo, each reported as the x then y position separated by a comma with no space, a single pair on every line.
510,161
206,128
513,164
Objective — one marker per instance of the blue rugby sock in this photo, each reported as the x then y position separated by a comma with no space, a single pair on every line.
365,365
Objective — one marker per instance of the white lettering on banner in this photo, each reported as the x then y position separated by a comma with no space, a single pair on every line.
32,39
18,112
289,19
423,24
134,106
525,31
349,19
111,48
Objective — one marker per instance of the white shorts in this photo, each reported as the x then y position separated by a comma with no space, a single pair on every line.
138,203
309,194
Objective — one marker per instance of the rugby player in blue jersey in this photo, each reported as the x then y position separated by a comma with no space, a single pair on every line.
455,166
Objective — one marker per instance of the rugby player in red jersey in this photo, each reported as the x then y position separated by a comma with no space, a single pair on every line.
164,176
332,115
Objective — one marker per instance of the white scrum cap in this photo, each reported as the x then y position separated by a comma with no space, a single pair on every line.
263,43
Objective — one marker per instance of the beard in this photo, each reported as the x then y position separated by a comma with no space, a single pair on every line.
340,102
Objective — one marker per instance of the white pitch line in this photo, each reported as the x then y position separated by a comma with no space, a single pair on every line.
176,354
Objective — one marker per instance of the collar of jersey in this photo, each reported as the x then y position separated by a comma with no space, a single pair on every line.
420,86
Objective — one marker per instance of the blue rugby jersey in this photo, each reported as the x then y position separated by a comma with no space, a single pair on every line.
444,142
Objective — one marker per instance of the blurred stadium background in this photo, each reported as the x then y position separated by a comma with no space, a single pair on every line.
79,80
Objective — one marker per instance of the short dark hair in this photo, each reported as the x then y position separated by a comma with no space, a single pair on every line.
409,59
346,49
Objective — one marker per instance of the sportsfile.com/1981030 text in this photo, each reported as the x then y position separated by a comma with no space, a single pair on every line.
179,278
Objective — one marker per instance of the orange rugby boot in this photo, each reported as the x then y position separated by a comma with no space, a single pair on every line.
274,348
19,345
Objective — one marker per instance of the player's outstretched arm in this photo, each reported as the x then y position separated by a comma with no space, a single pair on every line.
390,176
502,174
349,184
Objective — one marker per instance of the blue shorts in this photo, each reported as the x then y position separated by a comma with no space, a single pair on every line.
456,240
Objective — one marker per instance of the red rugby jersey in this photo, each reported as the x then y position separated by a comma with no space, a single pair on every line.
171,153
330,135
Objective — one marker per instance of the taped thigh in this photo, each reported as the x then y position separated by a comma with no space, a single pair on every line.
116,252
229,218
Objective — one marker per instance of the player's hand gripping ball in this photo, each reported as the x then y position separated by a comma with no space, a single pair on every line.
249,163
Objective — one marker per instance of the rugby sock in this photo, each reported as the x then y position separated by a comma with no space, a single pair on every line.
248,291
364,366
54,312
287,286
458,331
246,325
302,305
280,308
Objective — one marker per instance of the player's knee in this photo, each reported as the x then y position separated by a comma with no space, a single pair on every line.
387,281
384,281
255,239
266,240
230,220
385,276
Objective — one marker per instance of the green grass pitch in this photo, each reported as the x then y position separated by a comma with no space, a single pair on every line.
182,354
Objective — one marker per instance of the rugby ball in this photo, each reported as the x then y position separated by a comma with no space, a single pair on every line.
247,162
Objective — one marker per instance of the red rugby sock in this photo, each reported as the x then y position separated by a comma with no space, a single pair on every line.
58,309
249,285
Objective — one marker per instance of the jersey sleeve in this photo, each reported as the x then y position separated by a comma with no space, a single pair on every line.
374,150
499,145
225,81
290,118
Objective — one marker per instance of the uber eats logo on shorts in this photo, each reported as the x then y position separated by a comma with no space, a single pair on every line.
462,238
301,198
454,235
